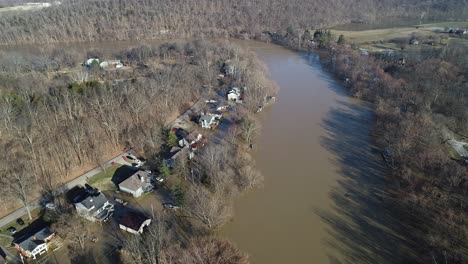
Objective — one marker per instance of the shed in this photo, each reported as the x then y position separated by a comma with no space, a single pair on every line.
133,222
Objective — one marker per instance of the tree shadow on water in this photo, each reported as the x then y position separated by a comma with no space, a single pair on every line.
361,226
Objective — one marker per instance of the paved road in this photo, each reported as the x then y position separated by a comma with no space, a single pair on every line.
77,181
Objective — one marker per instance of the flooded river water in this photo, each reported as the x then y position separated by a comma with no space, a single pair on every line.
321,199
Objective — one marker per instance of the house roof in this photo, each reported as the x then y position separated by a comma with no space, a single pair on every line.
174,150
134,182
33,239
97,201
192,137
133,220
175,155
206,118
180,133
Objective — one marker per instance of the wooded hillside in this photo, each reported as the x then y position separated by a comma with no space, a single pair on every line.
91,20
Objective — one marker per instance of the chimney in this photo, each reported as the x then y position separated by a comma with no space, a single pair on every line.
142,179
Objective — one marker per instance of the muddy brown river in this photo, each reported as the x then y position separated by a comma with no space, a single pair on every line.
321,198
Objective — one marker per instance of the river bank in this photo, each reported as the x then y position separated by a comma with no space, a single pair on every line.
322,199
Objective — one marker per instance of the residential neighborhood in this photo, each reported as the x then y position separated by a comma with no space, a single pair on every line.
128,193
118,180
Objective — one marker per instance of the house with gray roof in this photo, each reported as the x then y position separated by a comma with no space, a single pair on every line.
137,184
34,242
95,207
207,121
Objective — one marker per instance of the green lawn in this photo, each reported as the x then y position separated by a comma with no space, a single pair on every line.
5,236
102,180
461,24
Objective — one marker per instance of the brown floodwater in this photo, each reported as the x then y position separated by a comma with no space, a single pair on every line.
321,200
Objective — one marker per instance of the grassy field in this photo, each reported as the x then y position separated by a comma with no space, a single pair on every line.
462,24
102,180
5,236
377,39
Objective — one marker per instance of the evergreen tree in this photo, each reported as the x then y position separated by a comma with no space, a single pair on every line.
164,170
179,195
172,139
341,39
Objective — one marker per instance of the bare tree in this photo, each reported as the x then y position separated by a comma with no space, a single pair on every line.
148,248
211,209
249,128
80,76
74,230
17,178
209,250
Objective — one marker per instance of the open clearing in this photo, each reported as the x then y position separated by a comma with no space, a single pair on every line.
377,39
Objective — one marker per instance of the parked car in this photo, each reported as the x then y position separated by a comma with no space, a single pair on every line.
11,230
20,221
159,179
135,162
120,201
50,206
170,206
223,108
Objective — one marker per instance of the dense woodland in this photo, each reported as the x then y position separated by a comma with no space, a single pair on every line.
92,20
55,123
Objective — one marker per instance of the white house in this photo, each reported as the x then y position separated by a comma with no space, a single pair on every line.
133,222
95,207
234,94
34,243
91,61
190,139
206,121
137,184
